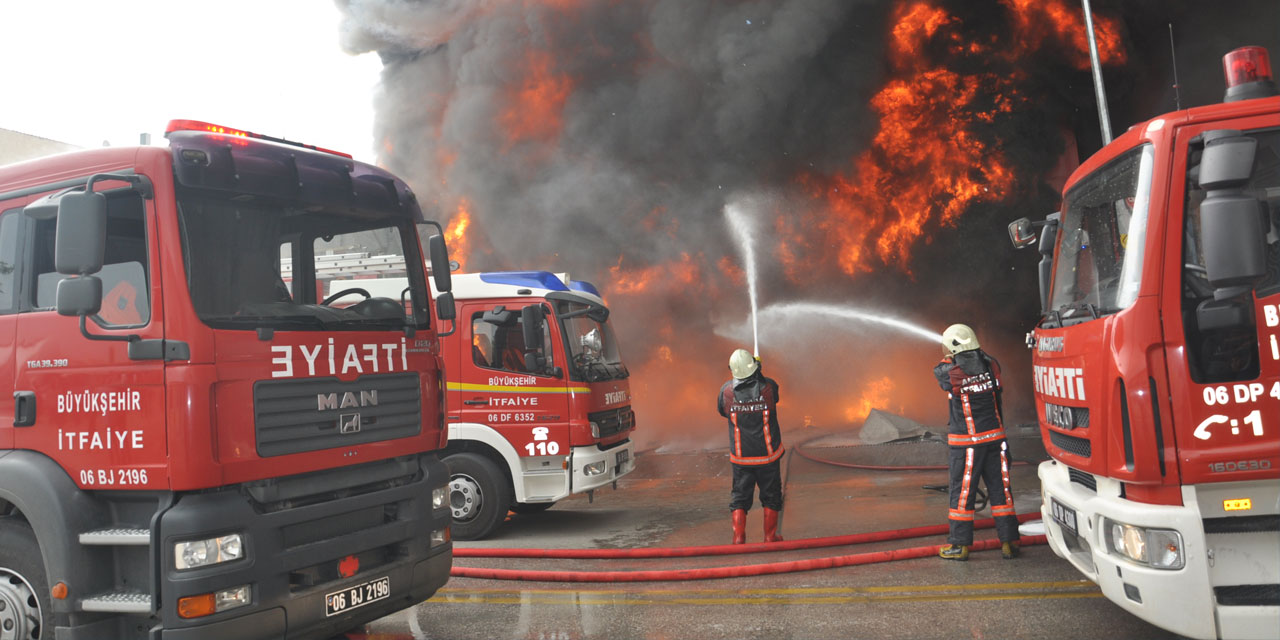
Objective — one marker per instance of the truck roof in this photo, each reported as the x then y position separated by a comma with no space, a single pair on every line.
1145,130
68,165
511,284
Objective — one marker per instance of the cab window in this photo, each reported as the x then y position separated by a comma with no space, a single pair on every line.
8,258
497,341
1229,354
125,290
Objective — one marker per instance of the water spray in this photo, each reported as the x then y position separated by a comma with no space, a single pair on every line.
744,231
790,312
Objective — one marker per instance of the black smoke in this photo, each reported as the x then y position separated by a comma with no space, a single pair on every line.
677,107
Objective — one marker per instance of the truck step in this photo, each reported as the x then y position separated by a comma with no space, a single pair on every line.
117,536
118,602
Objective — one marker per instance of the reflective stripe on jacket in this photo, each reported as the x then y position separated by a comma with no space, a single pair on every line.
751,405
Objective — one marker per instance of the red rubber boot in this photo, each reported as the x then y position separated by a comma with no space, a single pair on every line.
739,526
771,525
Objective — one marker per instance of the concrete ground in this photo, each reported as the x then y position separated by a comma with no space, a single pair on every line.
676,500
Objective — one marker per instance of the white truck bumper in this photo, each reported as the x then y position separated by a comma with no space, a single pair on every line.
589,468
1181,600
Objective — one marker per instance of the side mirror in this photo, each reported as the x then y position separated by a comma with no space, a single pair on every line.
81,238
531,320
440,263
1021,234
445,308
80,296
1233,223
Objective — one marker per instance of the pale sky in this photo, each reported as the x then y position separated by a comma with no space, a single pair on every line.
85,71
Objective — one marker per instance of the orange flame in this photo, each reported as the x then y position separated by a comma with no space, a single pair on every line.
535,108
927,164
680,275
455,235
875,396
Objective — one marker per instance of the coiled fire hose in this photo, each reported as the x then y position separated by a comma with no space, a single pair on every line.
708,573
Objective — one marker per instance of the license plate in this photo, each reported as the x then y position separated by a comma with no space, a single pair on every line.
621,459
1064,515
357,596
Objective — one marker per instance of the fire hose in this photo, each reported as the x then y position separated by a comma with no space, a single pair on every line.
724,549
980,501
709,573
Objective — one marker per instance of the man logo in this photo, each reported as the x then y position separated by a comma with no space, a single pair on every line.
349,423
349,399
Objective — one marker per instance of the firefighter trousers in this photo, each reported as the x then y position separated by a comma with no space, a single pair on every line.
766,476
990,462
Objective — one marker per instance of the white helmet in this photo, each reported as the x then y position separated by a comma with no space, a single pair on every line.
958,338
742,364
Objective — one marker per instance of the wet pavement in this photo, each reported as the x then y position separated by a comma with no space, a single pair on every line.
681,499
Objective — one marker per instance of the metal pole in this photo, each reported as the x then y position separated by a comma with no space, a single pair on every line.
1098,90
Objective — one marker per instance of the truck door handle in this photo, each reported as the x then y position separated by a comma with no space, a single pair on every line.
475,402
24,408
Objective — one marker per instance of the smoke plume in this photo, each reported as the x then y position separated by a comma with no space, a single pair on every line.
895,139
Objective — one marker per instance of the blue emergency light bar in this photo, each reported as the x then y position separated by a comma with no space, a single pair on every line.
529,279
586,287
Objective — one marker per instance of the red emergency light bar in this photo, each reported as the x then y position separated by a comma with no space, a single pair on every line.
1248,72
196,125
1246,64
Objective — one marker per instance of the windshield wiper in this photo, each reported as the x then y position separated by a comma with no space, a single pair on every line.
1055,316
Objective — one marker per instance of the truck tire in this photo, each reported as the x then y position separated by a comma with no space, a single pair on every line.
25,610
479,495
531,507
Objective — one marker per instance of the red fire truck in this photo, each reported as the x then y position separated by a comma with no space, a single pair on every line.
200,447
1157,364
539,400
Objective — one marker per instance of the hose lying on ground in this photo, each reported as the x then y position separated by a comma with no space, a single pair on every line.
664,575
872,467
726,549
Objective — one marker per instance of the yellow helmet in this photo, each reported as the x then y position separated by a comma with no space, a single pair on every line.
742,364
958,338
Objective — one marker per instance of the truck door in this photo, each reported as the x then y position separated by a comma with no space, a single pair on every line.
9,224
85,403
1227,394
528,407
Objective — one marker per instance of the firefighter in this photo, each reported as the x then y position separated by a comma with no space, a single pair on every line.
750,402
976,437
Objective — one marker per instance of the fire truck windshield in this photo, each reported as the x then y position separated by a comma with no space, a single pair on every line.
265,263
593,350
1098,269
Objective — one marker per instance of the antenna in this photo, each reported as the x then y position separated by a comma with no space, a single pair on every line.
1173,54
1100,92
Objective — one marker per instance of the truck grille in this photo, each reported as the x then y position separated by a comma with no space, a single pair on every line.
1071,444
1248,595
1083,479
310,414
611,422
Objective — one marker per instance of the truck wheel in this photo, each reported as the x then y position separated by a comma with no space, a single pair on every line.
25,610
531,507
478,495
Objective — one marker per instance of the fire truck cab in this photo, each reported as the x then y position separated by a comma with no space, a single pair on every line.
200,444
539,398
1157,364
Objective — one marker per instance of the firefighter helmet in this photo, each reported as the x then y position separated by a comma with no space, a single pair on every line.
957,338
742,364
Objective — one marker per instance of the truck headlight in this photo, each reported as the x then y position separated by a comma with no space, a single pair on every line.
202,553
1157,548
438,496
594,469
